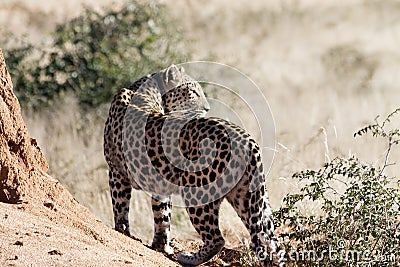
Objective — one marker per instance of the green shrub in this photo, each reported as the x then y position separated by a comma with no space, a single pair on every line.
96,54
358,221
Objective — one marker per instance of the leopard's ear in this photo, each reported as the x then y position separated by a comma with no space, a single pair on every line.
173,76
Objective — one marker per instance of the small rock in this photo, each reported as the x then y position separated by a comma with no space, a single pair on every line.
49,205
18,243
55,252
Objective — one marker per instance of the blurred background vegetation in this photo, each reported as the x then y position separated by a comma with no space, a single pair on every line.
94,54
327,68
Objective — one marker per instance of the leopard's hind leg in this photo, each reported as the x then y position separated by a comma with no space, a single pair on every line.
254,209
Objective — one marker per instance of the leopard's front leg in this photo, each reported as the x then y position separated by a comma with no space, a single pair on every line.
162,220
120,189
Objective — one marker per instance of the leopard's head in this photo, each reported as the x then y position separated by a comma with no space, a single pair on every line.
181,94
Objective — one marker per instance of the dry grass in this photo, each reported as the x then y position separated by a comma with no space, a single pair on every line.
327,68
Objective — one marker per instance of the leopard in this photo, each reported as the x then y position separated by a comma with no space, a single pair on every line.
158,139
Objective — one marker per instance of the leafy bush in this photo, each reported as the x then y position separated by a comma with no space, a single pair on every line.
96,54
358,222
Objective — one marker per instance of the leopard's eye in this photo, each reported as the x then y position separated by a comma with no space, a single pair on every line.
196,93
